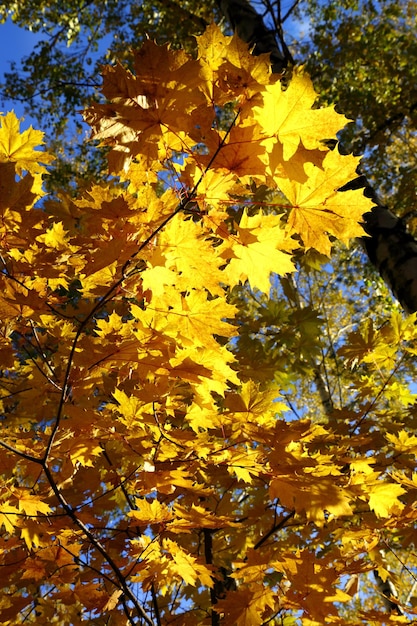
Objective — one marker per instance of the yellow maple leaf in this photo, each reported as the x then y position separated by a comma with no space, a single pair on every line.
203,417
209,368
34,570
320,209
212,46
254,404
383,498
289,116
185,566
313,496
214,188
31,504
8,516
103,277
246,465
259,248
17,196
130,408
242,152
246,72
403,442
195,319
151,512
293,169
32,533
84,452
90,595
360,343
229,70
245,606
156,278
19,148
185,562
197,517
150,112
113,600
183,248
56,237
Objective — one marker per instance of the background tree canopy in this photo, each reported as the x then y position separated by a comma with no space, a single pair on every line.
255,462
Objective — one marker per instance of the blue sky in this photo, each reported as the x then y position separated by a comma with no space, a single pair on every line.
15,43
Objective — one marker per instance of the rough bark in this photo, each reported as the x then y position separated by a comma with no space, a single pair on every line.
390,248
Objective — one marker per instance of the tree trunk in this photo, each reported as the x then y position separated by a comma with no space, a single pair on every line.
390,248
393,251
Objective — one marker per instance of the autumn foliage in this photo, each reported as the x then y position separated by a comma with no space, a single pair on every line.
146,478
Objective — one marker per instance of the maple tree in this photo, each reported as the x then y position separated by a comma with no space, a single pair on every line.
152,472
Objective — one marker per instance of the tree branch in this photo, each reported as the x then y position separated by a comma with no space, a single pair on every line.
121,580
